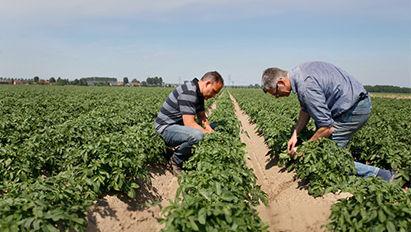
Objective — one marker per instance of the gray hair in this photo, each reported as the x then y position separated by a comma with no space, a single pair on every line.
270,77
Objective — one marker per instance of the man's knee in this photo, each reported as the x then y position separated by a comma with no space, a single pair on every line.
342,136
196,136
341,142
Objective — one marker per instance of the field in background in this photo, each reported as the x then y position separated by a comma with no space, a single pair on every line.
392,95
62,148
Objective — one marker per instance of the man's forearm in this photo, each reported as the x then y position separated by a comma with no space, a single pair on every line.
322,132
204,119
189,120
195,126
303,119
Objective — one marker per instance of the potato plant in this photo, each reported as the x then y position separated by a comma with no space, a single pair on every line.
217,191
72,145
384,141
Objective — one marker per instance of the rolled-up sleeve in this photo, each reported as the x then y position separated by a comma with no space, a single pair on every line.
315,104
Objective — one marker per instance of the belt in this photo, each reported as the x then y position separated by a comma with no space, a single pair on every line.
362,96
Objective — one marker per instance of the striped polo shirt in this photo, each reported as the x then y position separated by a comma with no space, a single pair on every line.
185,99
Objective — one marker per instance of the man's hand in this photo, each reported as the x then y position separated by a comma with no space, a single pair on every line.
293,152
291,149
208,129
303,119
204,121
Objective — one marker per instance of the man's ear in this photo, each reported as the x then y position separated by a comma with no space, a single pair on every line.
281,81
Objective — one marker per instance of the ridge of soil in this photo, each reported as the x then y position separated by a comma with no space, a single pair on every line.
290,207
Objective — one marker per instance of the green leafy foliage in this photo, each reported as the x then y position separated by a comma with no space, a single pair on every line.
325,166
62,147
375,206
384,141
217,191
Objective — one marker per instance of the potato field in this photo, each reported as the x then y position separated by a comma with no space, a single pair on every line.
64,148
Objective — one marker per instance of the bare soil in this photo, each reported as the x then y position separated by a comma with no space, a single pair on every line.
115,213
290,207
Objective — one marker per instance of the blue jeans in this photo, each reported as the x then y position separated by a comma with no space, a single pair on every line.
184,137
347,124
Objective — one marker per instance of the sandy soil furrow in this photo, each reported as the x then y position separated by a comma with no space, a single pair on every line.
120,213
290,207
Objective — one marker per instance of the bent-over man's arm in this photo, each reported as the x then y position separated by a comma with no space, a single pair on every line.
318,110
204,120
303,119
188,105
322,132
189,120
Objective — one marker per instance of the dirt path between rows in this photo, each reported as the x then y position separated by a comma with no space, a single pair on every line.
119,213
290,207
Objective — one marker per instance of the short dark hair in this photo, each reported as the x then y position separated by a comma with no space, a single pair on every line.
213,76
270,77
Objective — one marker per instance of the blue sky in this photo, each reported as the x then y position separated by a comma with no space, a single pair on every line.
179,40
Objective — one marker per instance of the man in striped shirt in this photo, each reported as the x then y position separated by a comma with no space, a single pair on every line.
176,120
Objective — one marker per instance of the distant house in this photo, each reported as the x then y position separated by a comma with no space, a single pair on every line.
135,84
100,81
118,83
44,82
18,82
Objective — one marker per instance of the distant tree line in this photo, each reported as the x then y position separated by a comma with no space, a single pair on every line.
387,89
153,81
37,81
86,81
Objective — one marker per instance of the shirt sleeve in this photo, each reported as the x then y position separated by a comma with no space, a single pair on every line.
315,105
302,106
187,103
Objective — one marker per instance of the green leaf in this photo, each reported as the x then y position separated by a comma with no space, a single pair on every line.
390,226
131,193
381,216
218,187
193,224
202,216
134,185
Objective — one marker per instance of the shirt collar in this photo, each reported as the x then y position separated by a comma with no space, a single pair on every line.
195,81
293,79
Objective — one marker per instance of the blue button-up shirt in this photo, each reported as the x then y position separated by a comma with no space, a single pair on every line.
324,90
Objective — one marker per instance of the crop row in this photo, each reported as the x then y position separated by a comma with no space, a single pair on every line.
375,205
217,191
52,175
385,141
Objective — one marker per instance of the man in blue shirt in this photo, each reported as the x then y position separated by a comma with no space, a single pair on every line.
337,102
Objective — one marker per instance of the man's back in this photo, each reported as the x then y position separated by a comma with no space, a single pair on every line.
185,99
322,86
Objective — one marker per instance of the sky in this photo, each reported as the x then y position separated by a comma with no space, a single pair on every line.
180,40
